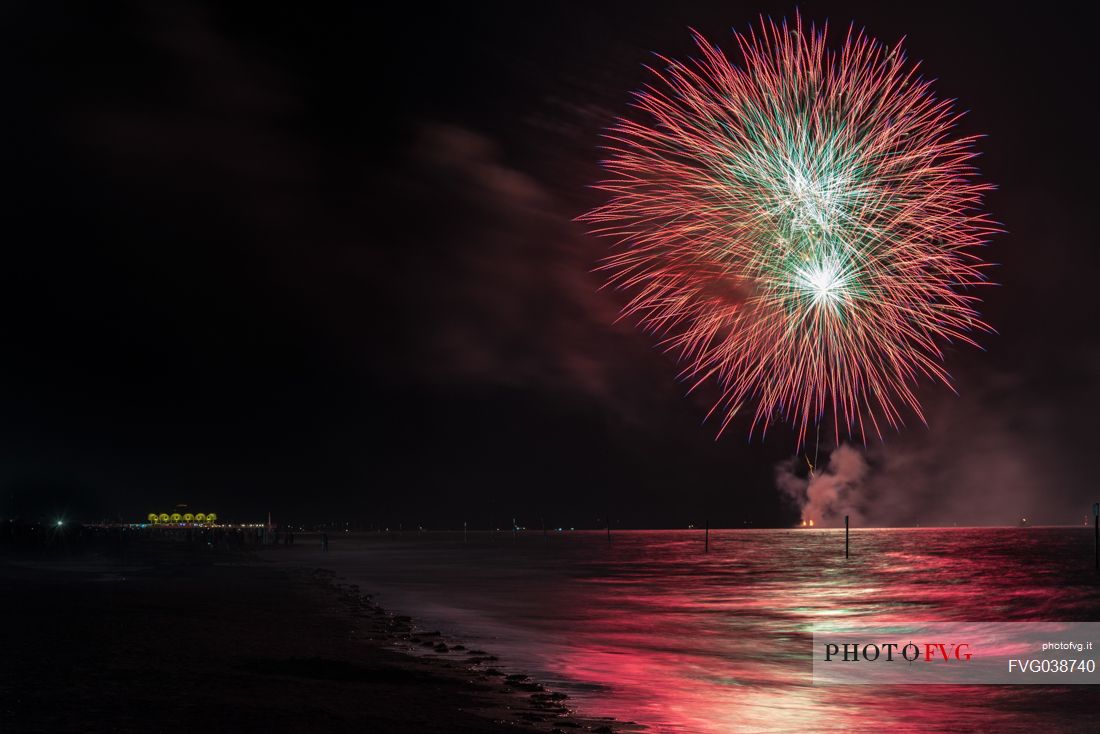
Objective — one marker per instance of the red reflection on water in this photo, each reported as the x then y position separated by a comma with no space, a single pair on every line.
650,629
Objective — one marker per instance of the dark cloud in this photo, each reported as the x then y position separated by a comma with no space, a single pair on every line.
496,284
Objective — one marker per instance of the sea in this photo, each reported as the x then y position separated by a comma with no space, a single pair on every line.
681,635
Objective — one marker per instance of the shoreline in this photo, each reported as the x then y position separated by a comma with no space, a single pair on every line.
171,638
514,699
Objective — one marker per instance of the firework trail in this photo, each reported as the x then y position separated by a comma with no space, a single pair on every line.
800,228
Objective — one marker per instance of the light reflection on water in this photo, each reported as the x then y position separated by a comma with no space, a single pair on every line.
648,628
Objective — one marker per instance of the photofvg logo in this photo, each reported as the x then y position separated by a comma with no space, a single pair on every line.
1044,653
909,652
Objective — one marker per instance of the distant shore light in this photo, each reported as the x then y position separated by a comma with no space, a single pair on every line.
164,518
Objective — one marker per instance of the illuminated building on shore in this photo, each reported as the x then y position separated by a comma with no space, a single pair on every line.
184,519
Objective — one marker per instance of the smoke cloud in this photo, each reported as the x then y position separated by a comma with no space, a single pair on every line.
993,455
827,495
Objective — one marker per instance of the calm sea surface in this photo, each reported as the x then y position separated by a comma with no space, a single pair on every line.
650,629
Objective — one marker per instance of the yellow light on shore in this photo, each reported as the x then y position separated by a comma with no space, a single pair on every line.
176,518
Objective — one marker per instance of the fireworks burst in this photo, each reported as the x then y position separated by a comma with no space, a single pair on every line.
800,228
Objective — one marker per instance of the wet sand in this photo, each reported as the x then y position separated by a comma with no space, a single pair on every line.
174,639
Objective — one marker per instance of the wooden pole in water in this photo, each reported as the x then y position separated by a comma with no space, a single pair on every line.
845,536
513,530
706,538
464,538
1096,530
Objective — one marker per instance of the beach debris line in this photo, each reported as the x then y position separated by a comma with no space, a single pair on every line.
513,697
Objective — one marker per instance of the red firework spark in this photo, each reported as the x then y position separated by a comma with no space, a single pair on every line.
800,228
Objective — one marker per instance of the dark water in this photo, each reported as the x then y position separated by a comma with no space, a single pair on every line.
650,629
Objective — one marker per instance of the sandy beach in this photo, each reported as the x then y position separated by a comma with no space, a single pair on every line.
165,637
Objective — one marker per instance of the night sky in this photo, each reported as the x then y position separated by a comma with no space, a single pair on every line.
323,262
